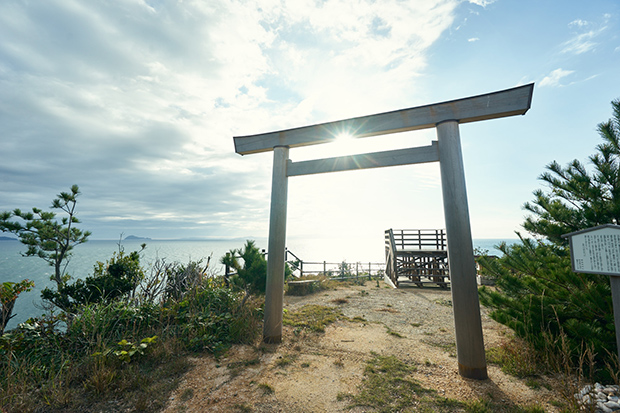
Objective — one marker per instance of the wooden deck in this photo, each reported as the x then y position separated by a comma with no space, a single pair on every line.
416,256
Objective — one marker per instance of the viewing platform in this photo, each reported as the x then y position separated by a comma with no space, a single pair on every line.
416,256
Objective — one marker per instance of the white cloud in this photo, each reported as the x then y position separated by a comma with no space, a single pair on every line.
473,39
578,23
482,3
579,44
585,36
137,103
554,78
353,44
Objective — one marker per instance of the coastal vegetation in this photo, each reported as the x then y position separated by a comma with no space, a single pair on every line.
565,316
122,334
251,272
9,291
125,345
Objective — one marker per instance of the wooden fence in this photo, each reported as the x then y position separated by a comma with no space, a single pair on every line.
328,269
338,269
334,269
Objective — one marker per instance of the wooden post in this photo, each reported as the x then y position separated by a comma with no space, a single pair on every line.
615,298
465,303
274,291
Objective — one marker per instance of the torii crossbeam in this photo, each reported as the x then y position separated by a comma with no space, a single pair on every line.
445,117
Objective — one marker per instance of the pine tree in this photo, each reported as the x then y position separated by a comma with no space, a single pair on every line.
537,294
46,237
577,198
252,274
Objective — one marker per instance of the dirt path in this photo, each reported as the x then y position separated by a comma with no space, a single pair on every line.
308,371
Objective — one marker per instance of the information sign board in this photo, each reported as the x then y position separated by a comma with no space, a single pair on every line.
596,250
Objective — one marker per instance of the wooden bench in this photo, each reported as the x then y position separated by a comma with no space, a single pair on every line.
302,287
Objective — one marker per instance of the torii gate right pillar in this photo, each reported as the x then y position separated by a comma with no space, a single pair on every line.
467,321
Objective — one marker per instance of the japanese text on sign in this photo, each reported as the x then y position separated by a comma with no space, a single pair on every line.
596,252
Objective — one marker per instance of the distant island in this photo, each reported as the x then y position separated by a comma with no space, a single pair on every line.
134,238
3,238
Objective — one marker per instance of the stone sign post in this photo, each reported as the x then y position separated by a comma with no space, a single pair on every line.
597,251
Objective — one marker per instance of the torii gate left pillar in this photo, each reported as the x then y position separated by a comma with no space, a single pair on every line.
274,290
445,117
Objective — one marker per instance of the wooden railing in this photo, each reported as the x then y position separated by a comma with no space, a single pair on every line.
419,255
390,258
405,239
337,270
334,269
328,269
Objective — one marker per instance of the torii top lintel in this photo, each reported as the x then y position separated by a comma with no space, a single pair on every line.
503,103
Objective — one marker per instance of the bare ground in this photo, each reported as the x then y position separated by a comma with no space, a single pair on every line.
308,370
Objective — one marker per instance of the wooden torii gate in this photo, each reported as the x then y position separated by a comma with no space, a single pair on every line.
445,117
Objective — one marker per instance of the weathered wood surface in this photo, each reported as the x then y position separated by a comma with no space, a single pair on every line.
397,157
274,289
467,321
302,287
416,256
509,102
420,239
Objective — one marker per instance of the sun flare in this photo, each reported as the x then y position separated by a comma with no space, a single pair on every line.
343,143
344,136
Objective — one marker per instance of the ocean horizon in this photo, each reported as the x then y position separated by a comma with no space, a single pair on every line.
15,267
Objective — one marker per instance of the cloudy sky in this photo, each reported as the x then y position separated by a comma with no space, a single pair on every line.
137,102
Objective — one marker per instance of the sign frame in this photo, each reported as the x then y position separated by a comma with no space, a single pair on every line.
614,276
588,250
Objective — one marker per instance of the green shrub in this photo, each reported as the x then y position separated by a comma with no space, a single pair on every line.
180,279
215,317
105,323
253,274
117,278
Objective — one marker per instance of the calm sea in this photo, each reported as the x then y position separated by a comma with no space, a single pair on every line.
15,267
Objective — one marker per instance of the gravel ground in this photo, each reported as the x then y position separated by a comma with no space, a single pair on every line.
307,371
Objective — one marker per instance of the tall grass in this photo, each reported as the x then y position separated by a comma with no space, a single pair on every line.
570,368
130,350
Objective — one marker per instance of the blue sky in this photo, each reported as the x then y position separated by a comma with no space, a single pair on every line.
137,102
